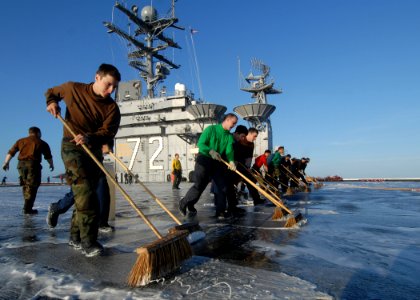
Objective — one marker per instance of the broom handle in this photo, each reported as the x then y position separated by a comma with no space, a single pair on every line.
268,196
281,183
268,184
146,189
291,175
314,180
265,186
269,188
127,197
257,176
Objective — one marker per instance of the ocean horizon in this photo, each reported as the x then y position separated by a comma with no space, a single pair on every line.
359,240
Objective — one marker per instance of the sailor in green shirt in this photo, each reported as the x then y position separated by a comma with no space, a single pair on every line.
215,142
276,162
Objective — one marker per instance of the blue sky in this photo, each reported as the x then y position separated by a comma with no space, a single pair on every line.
349,71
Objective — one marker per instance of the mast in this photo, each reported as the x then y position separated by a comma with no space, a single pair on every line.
258,113
152,66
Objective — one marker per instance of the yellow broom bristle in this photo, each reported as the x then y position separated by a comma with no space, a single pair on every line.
141,272
159,258
291,221
278,214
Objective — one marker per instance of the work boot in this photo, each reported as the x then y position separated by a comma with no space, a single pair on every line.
75,243
92,249
223,215
52,216
106,228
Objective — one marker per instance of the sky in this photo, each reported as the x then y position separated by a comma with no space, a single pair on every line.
349,71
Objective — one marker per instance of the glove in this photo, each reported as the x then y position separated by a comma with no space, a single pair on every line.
51,168
232,166
215,155
6,166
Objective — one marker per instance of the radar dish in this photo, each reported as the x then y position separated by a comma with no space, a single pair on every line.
255,112
206,110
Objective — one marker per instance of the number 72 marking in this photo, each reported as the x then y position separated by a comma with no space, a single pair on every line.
152,158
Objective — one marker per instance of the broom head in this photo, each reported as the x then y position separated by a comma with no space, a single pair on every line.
159,258
289,191
190,227
278,214
293,219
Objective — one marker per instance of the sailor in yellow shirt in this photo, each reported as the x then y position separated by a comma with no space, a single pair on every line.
176,171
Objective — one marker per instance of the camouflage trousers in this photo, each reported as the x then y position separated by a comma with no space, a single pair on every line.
30,180
83,174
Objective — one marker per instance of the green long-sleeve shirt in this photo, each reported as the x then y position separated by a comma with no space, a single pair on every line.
216,138
276,159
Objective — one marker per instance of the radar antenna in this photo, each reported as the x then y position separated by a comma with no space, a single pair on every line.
153,67
258,113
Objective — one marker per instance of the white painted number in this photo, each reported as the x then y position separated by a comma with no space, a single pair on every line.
152,158
157,152
136,149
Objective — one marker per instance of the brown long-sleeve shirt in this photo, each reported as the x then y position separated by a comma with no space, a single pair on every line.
31,148
87,113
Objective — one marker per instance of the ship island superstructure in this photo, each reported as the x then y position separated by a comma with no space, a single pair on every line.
157,125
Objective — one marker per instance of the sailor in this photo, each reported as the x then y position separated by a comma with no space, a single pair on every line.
215,142
296,167
261,162
94,117
246,151
305,161
176,171
30,149
239,136
284,176
276,161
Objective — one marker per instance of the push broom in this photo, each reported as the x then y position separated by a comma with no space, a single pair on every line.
268,187
316,183
158,258
295,179
192,227
291,220
289,190
263,182
279,212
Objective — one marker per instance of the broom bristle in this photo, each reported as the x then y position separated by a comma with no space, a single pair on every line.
291,221
159,258
190,227
278,214
289,191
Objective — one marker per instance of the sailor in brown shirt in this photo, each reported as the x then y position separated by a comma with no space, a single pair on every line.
95,117
30,150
